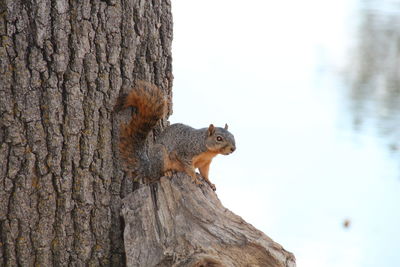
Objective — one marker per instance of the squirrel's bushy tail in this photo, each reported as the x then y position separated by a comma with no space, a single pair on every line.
150,105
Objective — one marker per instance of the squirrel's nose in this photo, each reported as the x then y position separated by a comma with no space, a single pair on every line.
233,149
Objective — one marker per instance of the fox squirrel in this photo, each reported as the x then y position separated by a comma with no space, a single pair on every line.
178,148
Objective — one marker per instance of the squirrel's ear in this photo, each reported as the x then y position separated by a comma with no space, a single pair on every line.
211,130
226,126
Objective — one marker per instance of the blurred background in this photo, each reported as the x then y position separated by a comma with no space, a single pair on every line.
311,91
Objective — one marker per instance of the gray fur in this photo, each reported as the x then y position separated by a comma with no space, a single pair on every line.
188,142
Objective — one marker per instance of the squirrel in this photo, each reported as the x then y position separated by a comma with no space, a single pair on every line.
177,148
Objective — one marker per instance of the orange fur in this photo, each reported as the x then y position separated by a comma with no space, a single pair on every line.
178,148
202,162
150,105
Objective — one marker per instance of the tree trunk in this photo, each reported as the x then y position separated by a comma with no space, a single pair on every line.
62,65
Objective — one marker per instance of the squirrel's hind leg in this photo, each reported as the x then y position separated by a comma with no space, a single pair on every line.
190,170
173,163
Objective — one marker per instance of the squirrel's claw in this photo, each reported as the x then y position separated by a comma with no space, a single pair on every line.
196,179
212,186
169,174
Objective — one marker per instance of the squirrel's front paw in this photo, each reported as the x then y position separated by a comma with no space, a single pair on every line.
212,186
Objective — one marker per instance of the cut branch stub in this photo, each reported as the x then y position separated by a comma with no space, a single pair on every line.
177,223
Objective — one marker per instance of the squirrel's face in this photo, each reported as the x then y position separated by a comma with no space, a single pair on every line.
220,140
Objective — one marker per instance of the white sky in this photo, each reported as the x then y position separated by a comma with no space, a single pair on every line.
268,68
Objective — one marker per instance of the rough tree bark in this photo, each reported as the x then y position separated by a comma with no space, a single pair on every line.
62,65
62,189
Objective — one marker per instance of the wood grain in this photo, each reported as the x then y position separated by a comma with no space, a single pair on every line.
177,223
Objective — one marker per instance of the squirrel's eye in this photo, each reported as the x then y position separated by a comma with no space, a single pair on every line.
219,138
